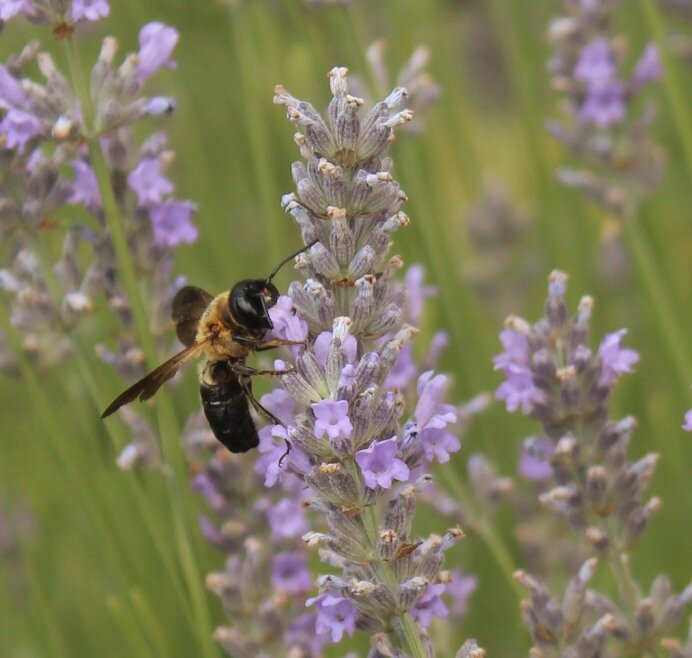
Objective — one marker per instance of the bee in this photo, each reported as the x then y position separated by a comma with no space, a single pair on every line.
225,329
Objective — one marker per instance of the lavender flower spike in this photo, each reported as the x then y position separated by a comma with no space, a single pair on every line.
364,462
587,479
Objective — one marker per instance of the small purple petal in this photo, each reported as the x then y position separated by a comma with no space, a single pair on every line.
19,127
148,182
534,459
417,292
156,43
89,10
288,325
287,519
336,616
10,8
379,465
280,403
687,425
404,370
604,106
518,390
516,352
324,340
158,105
171,222
289,572
614,359
596,66
648,68
331,418
431,390
85,189
430,604
11,93
438,443
459,589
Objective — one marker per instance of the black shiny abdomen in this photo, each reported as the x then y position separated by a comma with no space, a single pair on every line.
227,410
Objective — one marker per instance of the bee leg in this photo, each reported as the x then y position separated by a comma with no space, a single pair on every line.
279,342
242,370
246,385
259,345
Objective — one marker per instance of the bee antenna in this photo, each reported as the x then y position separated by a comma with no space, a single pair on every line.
288,258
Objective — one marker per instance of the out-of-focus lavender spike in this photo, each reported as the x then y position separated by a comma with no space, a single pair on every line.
622,164
581,471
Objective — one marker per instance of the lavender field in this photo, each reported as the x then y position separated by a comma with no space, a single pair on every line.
474,438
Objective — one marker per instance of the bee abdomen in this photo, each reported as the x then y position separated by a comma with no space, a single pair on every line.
227,410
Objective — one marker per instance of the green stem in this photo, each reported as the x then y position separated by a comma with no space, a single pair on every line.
486,531
627,588
666,318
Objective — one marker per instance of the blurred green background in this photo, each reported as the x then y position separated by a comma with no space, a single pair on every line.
96,572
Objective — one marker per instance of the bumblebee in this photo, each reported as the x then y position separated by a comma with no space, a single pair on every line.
225,329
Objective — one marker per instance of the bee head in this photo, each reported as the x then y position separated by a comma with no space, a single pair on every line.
250,301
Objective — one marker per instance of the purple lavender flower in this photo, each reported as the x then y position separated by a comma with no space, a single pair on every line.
379,465
336,616
518,390
85,189
10,8
287,324
289,572
90,10
459,589
614,359
417,292
301,632
430,605
687,425
280,403
171,222
534,459
156,43
19,128
332,418
438,443
604,106
148,182
323,341
287,519
602,121
11,93
648,68
404,370
596,66
432,417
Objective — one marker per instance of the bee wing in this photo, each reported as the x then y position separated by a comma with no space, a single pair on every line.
150,383
187,307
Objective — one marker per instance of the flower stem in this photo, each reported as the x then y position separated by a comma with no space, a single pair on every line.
487,532
660,302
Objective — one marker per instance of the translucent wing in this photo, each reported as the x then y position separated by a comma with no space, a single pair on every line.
149,384
187,308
